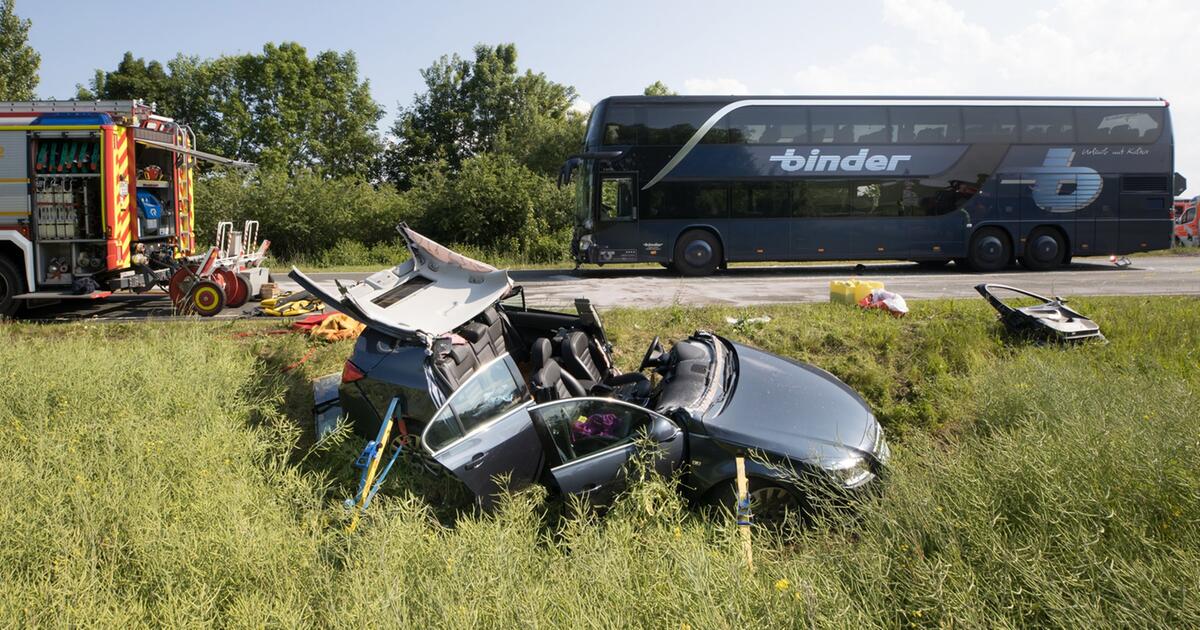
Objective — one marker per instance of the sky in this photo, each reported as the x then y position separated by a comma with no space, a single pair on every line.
900,47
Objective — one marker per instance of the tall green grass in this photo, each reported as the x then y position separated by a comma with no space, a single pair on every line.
156,475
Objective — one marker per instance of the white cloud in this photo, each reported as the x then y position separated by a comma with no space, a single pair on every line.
1069,47
714,86
581,106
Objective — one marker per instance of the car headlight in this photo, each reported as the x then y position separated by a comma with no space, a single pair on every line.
852,472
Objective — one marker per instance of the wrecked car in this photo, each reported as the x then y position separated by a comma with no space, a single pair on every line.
491,388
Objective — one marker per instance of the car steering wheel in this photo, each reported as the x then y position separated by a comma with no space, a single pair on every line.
653,354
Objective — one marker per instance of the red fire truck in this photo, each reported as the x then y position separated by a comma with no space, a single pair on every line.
95,197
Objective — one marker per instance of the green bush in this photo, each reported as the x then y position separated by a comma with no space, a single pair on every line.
302,215
497,204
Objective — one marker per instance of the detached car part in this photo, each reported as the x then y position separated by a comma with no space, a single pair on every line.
1051,319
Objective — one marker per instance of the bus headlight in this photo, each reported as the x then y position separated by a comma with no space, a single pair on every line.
585,242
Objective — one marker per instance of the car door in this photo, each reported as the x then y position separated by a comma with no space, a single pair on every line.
594,438
483,434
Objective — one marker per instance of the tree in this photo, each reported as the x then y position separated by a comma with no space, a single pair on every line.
471,107
658,88
133,79
281,108
19,62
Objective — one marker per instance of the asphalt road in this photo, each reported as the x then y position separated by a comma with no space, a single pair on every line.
743,286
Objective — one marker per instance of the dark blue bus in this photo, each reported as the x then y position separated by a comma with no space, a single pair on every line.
696,182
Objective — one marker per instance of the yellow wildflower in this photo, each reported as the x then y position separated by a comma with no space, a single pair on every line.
782,584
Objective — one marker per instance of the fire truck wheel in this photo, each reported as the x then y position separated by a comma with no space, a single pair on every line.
180,285
236,292
10,285
207,298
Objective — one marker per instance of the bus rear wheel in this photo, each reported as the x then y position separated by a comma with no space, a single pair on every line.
698,253
1044,249
11,286
990,250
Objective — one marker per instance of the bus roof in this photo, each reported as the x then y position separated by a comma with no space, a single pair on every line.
1041,101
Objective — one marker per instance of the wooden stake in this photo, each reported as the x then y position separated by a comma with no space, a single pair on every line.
743,510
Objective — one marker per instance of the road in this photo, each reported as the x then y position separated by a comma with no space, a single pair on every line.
741,286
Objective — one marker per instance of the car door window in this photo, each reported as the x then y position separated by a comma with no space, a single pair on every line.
489,393
581,427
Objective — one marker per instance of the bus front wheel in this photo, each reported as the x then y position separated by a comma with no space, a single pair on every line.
990,250
698,253
1044,249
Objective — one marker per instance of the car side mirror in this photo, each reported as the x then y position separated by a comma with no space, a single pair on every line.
663,430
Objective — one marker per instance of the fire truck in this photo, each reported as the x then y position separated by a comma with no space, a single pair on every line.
96,197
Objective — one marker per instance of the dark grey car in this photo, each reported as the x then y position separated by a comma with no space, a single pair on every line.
532,396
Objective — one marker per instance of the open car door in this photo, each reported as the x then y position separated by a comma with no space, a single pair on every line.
484,435
428,295
594,439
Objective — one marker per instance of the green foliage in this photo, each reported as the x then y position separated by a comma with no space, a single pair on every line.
19,62
281,108
658,88
302,214
476,106
495,202
1066,495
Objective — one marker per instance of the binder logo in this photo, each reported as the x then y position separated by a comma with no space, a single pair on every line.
1059,187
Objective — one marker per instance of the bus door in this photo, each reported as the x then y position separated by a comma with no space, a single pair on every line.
616,235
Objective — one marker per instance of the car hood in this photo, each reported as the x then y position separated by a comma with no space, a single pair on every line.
428,295
794,409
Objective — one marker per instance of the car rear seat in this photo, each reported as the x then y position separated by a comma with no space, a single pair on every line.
456,362
487,337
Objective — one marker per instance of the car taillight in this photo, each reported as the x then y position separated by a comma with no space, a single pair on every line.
351,373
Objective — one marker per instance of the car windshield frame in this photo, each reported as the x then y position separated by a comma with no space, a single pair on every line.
491,369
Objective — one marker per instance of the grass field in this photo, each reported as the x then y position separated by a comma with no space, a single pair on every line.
160,475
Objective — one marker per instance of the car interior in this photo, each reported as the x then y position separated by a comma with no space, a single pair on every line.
561,358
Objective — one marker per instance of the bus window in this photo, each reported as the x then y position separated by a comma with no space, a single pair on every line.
1107,124
849,125
772,124
621,125
826,199
989,124
685,200
1047,124
924,124
674,125
616,199
760,200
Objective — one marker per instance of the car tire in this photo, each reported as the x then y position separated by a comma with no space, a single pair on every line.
698,253
11,285
990,250
770,502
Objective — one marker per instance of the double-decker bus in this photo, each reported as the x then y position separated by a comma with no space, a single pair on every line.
696,182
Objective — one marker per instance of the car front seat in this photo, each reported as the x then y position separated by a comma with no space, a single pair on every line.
550,381
577,358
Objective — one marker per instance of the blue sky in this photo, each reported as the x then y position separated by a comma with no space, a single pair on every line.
1056,47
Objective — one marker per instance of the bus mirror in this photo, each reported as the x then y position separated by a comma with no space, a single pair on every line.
567,170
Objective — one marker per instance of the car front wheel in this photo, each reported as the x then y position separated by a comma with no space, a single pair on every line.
770,502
